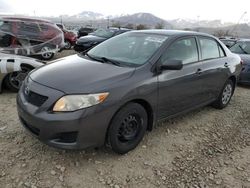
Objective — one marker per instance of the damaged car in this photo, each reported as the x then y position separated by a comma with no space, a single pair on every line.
69,37
14,69
97,37
30,37
242,47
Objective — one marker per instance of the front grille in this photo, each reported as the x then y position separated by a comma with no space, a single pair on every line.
32,129
35,98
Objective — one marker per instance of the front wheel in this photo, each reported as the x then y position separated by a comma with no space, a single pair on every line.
14,80
127,128
225,95
67,45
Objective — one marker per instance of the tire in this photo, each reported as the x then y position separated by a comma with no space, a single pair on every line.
14,80
68,45
127,128
225,95
48,55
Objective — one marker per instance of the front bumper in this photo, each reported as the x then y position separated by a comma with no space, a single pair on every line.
74,130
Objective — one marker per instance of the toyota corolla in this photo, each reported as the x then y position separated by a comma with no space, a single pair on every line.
112,94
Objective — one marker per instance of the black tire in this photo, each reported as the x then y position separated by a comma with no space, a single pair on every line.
224,99
68,45
127,128
14,80
46,56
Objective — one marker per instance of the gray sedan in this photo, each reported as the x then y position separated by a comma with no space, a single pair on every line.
122,87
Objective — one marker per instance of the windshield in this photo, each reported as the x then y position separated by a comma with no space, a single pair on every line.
129,49
106,33
241,47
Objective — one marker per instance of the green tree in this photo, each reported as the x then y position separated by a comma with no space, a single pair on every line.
160,25
141,27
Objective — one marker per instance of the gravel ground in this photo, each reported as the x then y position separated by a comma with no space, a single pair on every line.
204,148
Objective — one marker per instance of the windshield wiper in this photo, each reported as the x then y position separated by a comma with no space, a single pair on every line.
102,59
107,60
245,52
93,58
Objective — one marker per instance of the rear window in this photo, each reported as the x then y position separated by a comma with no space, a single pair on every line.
5,26
209,48
26,27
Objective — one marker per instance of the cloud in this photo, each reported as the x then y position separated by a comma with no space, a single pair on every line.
4,7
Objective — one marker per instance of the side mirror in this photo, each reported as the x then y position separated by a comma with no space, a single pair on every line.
172,65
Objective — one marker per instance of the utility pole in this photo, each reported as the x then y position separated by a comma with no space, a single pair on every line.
235,27
108,22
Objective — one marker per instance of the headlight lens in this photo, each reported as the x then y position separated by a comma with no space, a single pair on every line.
70,103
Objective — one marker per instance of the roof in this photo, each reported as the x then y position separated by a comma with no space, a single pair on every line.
22,18
121,28
243,40
172,32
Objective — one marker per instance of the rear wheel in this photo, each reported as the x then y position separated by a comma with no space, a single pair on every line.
46,53
14,80
225,95
127,128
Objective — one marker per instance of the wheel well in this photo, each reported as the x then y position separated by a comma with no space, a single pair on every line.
27,66
149,111
233,78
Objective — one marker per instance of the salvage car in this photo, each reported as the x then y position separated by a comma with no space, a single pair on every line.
69,37
84,31
30,37
242,47
100,35
121,88
229,42
14,69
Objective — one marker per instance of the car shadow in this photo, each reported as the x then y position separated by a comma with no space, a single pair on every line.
244,86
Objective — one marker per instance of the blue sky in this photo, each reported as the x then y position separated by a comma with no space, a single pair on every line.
188,9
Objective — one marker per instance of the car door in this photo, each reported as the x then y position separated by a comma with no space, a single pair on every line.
180,90
215,66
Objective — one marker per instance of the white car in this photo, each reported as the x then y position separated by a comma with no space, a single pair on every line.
14,69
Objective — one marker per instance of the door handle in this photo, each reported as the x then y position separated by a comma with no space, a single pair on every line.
226,65
199,71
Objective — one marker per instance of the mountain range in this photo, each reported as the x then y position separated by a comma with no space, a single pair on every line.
89,18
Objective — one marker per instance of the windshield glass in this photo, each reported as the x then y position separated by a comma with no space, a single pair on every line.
106,33
242,47
131,49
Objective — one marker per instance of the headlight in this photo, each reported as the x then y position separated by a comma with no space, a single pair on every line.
70,103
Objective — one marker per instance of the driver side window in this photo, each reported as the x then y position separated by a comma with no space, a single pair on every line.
183,49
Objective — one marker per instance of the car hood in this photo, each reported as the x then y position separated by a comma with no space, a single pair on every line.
90,38
245,58
75,74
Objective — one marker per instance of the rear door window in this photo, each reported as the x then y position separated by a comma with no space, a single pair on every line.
182,49
222,52
209,48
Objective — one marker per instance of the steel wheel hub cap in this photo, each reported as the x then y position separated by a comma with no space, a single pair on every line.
129,128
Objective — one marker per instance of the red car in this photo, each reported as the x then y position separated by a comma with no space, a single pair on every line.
30,37
69,37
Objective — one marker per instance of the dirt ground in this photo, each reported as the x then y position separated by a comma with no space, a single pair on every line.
204,148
